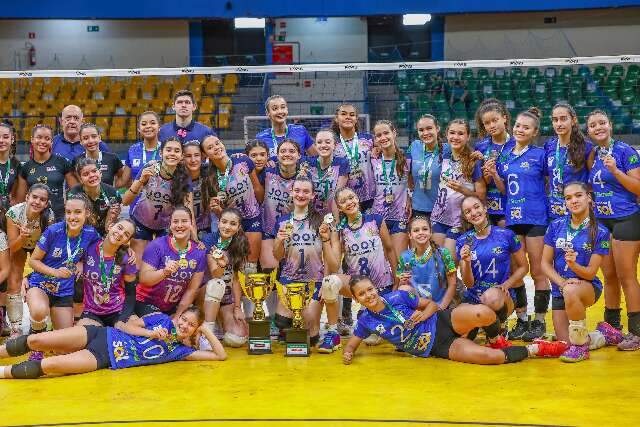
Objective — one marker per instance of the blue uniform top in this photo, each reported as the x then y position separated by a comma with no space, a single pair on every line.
70,150
559,176
556,236
58,252
193,131
425,190
389,324
490,259
612,199
137,157
296,132
496,201
428,278
523,176
127,351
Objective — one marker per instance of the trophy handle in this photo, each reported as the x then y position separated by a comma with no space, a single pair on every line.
312,290
282,294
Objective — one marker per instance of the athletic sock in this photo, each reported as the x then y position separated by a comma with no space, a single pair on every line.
332,328
578,334
522,315
612,316
634,322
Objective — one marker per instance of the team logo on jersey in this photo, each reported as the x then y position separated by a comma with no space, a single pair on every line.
57,252
586,246
136,162
192,264
423,341
550,161
524,165
605,210
32,171
493,205
516,213
201,246
119,352
51,169
474,255
90,261
117,269
497,250
558,210
380,329
605,244
633,159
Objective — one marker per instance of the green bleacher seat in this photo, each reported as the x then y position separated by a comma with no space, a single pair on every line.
500,74
467,74
566,73
423,103
584,71
459,109
402,119
617,70
482,74
515,73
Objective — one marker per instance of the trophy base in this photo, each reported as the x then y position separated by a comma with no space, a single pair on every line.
259,337
297,343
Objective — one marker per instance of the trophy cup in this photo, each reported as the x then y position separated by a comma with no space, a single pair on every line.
295,296
257,287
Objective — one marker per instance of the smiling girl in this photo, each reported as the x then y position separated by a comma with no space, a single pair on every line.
277,112
111,168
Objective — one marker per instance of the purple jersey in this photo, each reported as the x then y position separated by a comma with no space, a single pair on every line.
128,351
240,188
390,324
167,293
325,181
277,199
298,133
391,190
60,252
303,253
154,208
363,251
447,208
211,241
361,178
104,298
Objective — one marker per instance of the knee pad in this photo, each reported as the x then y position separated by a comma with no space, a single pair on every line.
3,286
578,333
30,369
521,297
233,340
39,325
14,308
502,314
215,290
611,316
283,322
250,268
17,346
515,353
331,288
541,300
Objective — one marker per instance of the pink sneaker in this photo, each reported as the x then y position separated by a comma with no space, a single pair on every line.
36,356
611,335
575,353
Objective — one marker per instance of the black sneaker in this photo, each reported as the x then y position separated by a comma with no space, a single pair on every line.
519,330
536,330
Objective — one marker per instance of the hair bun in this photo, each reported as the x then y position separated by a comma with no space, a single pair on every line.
535,111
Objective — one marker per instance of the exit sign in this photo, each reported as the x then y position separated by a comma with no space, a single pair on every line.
93,28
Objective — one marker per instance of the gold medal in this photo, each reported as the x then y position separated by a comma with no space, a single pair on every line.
356,173
222,196
388,199
183,263
288,228
217,253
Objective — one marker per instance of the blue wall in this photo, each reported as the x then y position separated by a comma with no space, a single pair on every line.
194,9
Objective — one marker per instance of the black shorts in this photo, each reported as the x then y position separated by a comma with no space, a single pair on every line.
445,335
557,303
97,345
104,320
496,218
528,230
78,290
143,308
626,229
55,301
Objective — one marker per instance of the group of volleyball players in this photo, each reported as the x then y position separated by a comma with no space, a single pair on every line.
434,243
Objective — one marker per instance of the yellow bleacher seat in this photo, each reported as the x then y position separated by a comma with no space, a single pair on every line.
200,79
182,81
132,133
119,122
224,121
213,87
207,105
116,134
131,94
102,123
205,119
225,104
50,121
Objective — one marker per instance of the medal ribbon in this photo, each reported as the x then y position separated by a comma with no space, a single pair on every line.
571,232
322,177
274,138
182,253
106,279
352,153
223,179
4,181
71,255
428,170
154,156
560,161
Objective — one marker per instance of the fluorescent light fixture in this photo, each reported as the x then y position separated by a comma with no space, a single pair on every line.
416,18
249,22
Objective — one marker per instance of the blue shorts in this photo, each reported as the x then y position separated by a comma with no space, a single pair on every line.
146,233
252,225
395,227
449,231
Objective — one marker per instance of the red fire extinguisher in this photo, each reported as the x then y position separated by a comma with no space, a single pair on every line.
31,54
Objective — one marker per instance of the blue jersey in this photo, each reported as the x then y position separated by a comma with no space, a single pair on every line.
298,133
53,243
70,150
127,351
523,176
490,259
138,157
193,131
428,278
612,199
496,201
389,324
561,171
425,191
556,237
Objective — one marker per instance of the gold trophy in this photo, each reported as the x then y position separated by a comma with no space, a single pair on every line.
257,287
296,296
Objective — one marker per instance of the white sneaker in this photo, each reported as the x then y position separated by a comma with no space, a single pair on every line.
372,340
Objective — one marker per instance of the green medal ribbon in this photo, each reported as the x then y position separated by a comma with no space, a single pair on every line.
352,153
4,180
571,232
106,279
223,244
72,254
154,156
427,167
560,162
385,176
223,179
274,138
323,179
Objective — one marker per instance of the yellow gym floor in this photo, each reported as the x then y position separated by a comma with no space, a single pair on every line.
381,388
